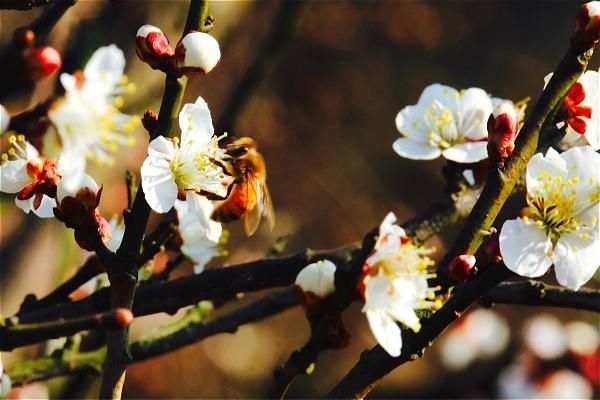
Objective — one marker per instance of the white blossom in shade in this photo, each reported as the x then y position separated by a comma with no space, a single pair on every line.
560,224
580,111
395,285
317,278
26,174
190,164
4,119
545,336
445,122
117,228
582,338
481,334
87,118
564,384
199,233
198,53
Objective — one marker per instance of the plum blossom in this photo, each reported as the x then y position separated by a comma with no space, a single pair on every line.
479,335
87,118
395,285
199,233
32,178
446,122
192,164
560,224
580,110
317,278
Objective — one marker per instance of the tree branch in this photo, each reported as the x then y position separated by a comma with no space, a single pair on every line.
539,294
23,5
25,334
191,328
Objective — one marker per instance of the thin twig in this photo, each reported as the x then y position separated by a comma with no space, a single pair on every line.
23,5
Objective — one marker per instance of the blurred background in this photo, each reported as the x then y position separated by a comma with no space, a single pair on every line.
332,77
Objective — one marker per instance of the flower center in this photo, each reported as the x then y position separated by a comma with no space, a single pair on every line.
441,125
17,151
555,206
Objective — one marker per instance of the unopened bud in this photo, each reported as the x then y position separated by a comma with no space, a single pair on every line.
4,119
41,62
317,278
502,130
587,26
197,53
123,316
23,37
83,188
460,267
153,47
149,121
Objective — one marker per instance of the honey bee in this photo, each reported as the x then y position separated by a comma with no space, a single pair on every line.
249,196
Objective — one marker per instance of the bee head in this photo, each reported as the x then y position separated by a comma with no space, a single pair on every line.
241,147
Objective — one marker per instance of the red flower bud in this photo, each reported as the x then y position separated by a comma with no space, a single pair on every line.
41,62
460,267
123,316
587,26
153,47
502,130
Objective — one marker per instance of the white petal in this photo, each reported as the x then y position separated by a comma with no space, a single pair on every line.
446,95
575,260
71,185
13,176
106,66
407,316
475,109
467,152
158,184
317,278
386,332
524,248
409,122
69,82
414,150
203,209
161,147
46,208
201,51
583,163
4,119
551,164
195,122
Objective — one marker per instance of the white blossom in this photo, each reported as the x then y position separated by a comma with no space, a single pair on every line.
560,224
445,122
199,233
87,118
190,164
395,285
4,119
317,278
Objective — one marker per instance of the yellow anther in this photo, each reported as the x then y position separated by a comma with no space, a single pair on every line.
11,152
131,88
119,101
21,138
12,139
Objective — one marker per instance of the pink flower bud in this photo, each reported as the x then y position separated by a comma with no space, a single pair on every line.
152,47
460,267
123,316
41,62
502,130
587,25
197,53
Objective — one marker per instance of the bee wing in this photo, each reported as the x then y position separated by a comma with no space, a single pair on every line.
268,211
253,215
